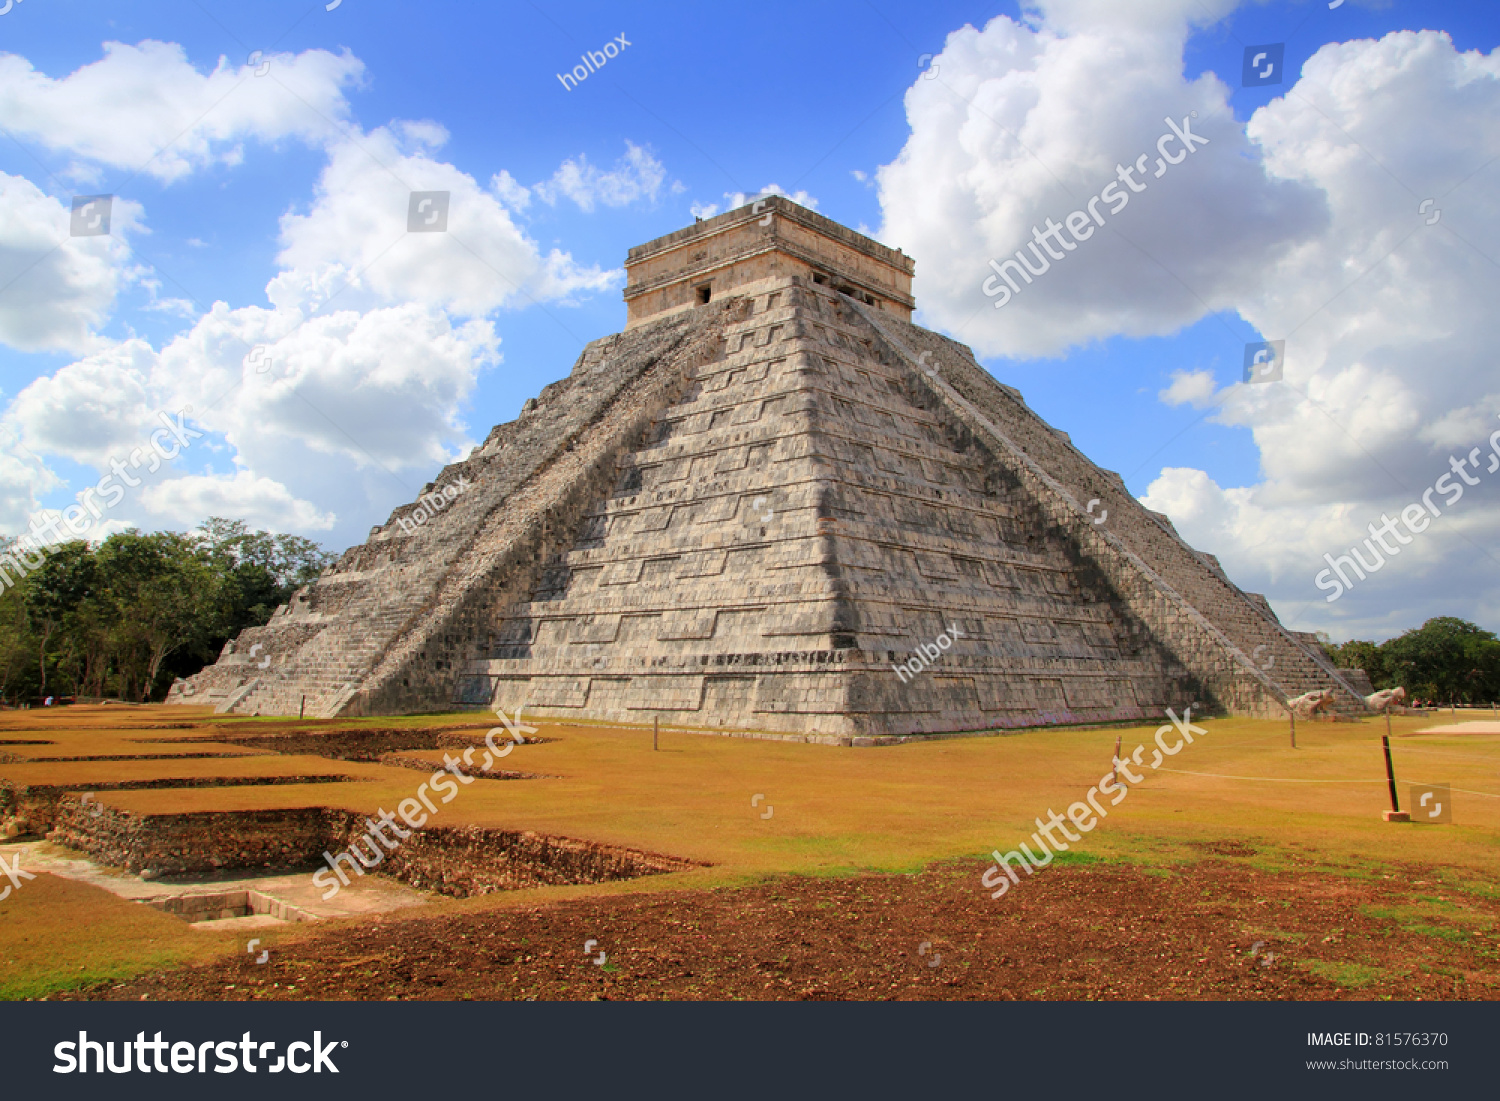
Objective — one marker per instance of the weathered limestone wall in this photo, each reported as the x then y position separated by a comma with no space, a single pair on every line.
803,518
1230,640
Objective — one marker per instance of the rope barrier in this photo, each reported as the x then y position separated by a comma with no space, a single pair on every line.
1265,779
1285,780
1442,753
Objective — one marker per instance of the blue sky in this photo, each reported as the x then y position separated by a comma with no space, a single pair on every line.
1280,218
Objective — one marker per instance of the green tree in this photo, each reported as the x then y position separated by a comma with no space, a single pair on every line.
1357,654
125,616
167,595
263,569
1445,659
53,592
18,646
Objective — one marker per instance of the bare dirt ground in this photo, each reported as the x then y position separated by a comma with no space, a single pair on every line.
1217,928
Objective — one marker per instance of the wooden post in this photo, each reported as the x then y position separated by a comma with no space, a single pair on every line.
1293,716
1390,779
302,709
655,730
1114,771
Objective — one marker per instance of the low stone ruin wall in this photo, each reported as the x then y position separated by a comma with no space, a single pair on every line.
191,844
28,809
456,861
365,744
344,745
218,905
473,860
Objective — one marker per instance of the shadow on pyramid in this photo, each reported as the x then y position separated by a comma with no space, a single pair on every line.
774,506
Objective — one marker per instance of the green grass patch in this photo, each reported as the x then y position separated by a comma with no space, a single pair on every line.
1430,917
1262,933
61,935
1347,975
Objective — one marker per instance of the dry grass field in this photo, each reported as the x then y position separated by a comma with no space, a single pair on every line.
1238,795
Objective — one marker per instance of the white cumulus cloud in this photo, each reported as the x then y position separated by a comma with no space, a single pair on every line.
1312,223
1195,388
352,248
733,200
635,176
1012,132
260,502
1390,347
382,388
92,410
342,391
56,289
147,108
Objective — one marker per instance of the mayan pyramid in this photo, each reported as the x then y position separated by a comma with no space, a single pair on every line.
751,506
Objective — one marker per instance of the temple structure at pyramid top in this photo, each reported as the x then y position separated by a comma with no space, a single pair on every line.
773,238
774,505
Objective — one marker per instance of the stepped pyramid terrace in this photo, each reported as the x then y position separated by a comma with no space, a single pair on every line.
748,511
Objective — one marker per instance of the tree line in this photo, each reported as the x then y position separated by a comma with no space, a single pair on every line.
1446,660
126,617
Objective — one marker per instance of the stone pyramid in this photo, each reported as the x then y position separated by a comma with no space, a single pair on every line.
749,511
